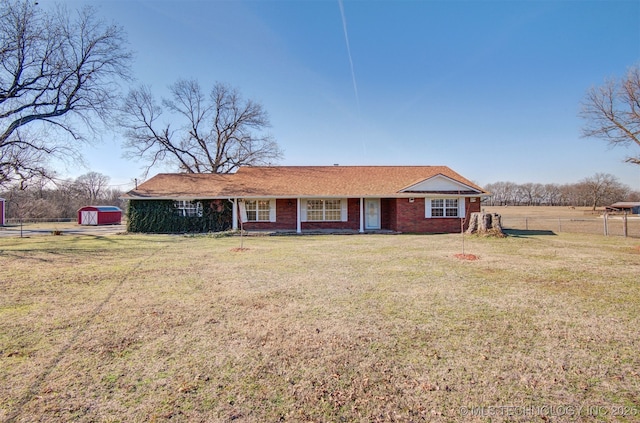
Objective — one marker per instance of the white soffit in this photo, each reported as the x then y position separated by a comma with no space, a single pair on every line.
438,183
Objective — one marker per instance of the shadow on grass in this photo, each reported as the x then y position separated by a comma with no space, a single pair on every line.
100,238
521,233
81,328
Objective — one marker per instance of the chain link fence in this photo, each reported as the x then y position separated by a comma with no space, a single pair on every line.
613,225
12,221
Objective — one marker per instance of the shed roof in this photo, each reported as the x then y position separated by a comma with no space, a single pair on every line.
297,181
102,208
625,204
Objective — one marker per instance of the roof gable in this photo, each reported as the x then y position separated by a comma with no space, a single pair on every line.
439,183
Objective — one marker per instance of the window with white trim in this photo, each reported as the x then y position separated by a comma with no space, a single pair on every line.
443,207
188,208
258,210
324,210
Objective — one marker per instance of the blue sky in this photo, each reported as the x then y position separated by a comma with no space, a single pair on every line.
491,89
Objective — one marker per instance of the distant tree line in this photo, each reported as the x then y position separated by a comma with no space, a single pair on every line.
61,199
599,190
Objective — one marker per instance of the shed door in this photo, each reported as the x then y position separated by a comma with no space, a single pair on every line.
89,217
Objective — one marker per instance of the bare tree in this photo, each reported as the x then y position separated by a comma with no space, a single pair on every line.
44,198
532,194
503,193
598,190
92,186
58,72
612,111
64,198
498,197
221,131
602,188
552,194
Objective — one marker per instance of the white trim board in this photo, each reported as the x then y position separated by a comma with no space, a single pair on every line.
438,183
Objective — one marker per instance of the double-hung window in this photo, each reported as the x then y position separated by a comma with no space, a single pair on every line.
258,210
444,207
324,210
187,208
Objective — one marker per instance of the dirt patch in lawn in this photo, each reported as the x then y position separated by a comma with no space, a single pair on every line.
470,257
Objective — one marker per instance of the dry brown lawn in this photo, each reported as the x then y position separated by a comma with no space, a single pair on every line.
565,219
357,328
545,211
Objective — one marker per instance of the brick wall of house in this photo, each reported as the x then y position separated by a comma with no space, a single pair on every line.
286,218
387,210
471,207
397,214
410,217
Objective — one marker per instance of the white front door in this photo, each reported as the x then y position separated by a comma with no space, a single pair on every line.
372,213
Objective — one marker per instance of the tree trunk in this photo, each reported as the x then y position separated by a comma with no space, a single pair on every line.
489,224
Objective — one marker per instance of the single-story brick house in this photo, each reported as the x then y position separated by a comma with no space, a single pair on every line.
417,199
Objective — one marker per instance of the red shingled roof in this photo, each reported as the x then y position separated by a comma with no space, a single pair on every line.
295,181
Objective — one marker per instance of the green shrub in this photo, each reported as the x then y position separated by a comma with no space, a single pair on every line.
161,216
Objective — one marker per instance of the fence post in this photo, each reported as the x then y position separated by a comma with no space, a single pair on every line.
526,223
605,218
624,224
559,225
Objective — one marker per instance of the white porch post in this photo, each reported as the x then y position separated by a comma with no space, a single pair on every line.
361,215
298,219
234,215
